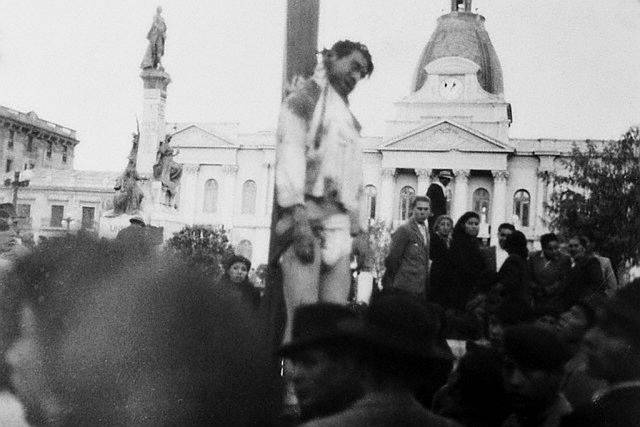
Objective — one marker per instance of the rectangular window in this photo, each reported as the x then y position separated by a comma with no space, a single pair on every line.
57,213
30,144
49,149
12,136
24,210
8,165
88,214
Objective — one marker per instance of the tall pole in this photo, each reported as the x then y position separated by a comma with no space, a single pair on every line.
301,43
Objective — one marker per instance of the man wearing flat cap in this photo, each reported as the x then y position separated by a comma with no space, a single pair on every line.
369,364
438,193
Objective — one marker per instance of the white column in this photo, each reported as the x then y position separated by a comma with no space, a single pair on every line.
152,124
270,179
460,193
189,192
227,203
541,188
424,179
386,197
498,205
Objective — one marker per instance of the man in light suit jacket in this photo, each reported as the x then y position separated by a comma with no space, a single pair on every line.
407,265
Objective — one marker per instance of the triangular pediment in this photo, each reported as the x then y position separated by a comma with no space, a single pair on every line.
446,135
194,136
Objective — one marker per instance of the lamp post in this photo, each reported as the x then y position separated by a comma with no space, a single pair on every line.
20,179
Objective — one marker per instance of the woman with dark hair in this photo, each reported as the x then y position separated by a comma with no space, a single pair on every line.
236,277
513,285
440,254
470,274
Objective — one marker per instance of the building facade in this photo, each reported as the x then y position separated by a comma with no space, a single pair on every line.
455,117
58,198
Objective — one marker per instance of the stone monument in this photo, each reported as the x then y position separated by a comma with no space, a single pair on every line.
149,186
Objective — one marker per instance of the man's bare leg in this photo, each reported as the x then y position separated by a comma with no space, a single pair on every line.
335,282
299,283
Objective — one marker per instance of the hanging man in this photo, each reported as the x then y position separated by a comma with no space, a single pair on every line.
319,178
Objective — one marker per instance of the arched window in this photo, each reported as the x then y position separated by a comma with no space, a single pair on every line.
248,198
245,248
406,197
370,194
210,196
481,203
521,204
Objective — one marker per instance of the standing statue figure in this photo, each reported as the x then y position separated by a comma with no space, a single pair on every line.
156,36
167,170
129,195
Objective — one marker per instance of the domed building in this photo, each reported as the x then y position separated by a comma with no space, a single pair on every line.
455,117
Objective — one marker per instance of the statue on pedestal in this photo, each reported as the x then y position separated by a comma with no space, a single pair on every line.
156,36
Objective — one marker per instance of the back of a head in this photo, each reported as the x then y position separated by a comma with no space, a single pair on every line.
138,340
536,348
516,243
174,351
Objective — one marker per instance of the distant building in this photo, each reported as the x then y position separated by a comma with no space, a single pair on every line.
58,198
455,117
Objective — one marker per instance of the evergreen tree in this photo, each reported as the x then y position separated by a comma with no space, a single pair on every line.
600,197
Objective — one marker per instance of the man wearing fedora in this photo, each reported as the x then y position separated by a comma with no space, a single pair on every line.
371,365
438,193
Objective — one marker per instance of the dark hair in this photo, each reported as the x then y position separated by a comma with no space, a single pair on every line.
620,314
533,347
459,229
158,321
589,309
507,226
417,199
234,259
584,241
545,239
516,243
343,48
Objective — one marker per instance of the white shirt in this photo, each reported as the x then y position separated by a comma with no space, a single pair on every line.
501,257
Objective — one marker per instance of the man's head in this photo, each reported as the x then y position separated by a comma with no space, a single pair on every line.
612,346
504,230
534,368
347,63
112,336
578,246
324,362
420,209
574,323
550,246
445,177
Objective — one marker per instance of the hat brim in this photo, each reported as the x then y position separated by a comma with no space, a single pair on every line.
299,345
402,346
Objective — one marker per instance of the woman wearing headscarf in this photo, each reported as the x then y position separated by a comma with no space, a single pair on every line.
440,254
513,285
470,274
236,277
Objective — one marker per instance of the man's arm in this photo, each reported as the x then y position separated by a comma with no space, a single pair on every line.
290,158
399,241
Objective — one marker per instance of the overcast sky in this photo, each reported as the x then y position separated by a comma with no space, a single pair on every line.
571,69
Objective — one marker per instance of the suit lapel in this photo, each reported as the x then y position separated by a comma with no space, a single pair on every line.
416,230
